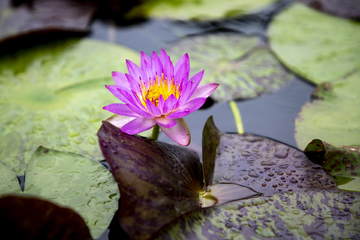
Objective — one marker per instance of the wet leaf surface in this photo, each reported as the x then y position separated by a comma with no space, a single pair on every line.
316,214
41,16
20,219
332,117
341,162
9,181
317,46
197,10
342,8
158,181
52,95
242,67
262,164
78,182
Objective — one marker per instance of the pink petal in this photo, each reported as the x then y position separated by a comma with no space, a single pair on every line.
179,114
181,75
120,79
119,120
169,71
164,58
139,111
134,84
188,108
161,103
195,80
144,58
156,64
116,91
180,133
148,72
138,125
134,70
182,60
170,104
153,110
165,122
204,91
120,109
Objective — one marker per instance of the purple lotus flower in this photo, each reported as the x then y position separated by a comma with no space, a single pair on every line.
158,93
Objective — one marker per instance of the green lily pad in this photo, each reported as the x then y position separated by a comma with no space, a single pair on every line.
21,218
298,215
197,9
52,95
158,181
343,8
242,67
9,181
334,116
74,181
317,46
341,162
262,164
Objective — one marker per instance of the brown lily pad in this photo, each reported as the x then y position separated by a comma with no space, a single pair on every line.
158,181
24,217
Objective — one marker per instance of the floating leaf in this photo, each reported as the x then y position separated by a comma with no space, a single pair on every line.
9,181
198,9
343,8
341,162
241,67
158,181
78,182
305,214
334,117
52,95
317,46
264,165
44,16
24,217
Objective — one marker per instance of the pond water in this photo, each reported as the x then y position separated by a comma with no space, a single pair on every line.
271,115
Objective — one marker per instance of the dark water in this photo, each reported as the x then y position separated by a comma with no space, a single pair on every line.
271,115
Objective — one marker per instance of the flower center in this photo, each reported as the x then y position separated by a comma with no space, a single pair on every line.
158,86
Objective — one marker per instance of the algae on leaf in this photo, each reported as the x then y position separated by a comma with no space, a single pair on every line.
304,214
334,116
74,181
262,164
341,162
317,46
243,68
197,9
52,95
8,180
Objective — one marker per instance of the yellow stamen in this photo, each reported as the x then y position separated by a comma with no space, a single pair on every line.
157,87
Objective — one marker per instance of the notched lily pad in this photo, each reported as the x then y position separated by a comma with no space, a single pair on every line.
9,181
316,214
317,46
78,182
264,165
33,218
341,162
52,95
197,10
242,67
332,117
158,181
